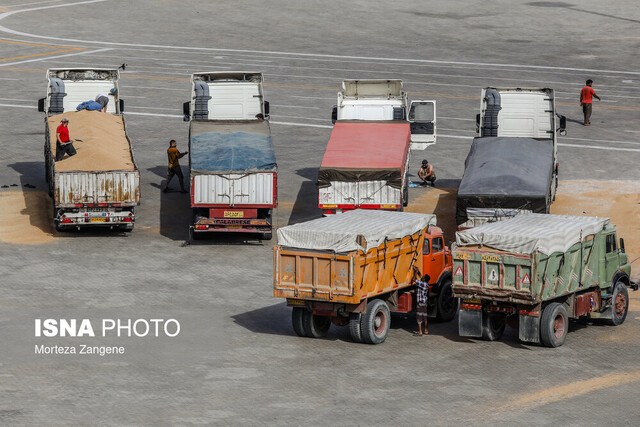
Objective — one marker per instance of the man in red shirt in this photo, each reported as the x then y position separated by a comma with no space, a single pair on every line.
63,143
586,101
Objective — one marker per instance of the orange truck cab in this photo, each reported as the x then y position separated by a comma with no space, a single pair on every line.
355,268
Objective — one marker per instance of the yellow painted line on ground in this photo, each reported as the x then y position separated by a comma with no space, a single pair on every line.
37,44
41,54
567,391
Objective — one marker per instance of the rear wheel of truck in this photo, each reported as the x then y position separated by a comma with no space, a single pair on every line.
447,304
296,319
619,304
554,325
266,236
354,327
375,322
315,326
405,193
492,326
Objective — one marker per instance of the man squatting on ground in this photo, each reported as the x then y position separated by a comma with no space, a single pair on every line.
586,101
174,166
63,143
422,292
427,174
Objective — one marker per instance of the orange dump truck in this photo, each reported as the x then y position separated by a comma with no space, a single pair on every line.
353,269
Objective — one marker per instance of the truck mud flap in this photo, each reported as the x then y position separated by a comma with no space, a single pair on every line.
529,327
470,323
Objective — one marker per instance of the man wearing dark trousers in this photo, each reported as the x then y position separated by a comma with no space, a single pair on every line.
174,166
63,142
586,101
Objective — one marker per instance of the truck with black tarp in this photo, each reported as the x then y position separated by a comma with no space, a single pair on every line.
512,167
233,171
537,271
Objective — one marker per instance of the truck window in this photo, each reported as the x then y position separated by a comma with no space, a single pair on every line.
437,244
425,250
611,243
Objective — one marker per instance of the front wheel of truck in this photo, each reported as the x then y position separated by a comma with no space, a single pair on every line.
296,319
492,326
619,304
315,326
554,325
446,303
375,322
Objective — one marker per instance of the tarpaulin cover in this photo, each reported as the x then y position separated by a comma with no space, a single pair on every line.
230,146
505,172
360,229
533,232
366,152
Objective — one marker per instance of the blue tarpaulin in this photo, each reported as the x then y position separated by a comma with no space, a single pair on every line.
232,151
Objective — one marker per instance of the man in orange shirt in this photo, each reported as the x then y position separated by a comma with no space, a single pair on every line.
586,101
174,166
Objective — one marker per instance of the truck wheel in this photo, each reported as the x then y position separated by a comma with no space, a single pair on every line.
375,322
492,326
554,325
315,326
405,194
619,304
354,327
267,236
447,304
296,320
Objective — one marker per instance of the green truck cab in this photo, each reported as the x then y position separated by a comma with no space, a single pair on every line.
535,272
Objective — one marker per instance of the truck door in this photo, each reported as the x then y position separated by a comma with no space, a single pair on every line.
611,262
422,118
433,257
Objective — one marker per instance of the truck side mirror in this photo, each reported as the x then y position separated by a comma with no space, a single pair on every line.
266,108
121,102
562,130
622,245
186,110
41,105
478,123
334,114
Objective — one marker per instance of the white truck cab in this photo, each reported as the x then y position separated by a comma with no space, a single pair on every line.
226,96
384,100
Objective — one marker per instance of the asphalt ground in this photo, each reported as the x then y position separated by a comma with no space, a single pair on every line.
241,362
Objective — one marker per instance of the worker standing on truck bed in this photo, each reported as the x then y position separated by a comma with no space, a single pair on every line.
427,174
174,166
422,293
63,142
586,101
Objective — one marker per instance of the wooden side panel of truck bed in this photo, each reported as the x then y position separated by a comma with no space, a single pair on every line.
347,278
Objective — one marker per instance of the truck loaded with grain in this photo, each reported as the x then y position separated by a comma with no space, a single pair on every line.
233,170
512,166
537,271
100,185
355,268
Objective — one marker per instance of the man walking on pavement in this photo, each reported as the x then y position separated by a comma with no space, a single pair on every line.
174,166
586,101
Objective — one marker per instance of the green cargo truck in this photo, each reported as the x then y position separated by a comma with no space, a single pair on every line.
535,272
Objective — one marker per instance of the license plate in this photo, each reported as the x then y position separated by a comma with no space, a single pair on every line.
233,214
472,301
99,219
295,302
234,226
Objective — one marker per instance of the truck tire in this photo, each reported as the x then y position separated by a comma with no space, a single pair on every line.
375,322
492,326
354,327
315,326
405,194
266,236
296,320
619,304
447,305
554,325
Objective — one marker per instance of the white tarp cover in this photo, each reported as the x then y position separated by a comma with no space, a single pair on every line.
532,232
339,232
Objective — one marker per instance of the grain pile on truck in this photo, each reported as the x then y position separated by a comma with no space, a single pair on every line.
100,185
233,170
512,167
365,165
353,269
535,272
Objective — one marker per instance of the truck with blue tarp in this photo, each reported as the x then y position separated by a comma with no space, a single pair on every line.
233,170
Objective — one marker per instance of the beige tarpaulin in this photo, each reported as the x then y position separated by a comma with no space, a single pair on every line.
104,145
